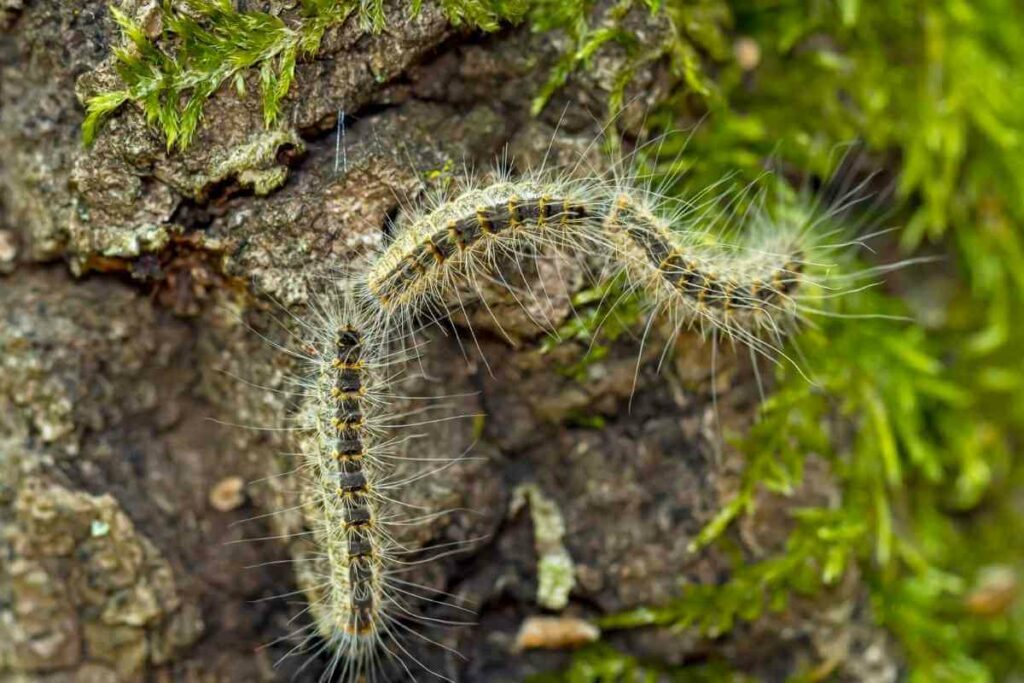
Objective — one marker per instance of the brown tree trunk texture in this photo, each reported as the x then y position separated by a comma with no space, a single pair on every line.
140,289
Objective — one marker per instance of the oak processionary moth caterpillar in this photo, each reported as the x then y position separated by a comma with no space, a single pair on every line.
344,454
741,292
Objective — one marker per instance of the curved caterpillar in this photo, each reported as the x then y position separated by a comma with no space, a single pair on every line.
735,291
462,236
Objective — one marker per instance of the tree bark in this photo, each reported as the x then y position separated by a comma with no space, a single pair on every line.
143,296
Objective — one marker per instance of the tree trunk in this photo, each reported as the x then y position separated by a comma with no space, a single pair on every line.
144,297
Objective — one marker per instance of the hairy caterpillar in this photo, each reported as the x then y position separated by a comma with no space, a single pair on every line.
350,576
733,291
348,527
458,238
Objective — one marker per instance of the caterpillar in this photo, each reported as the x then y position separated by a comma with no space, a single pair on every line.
342,450
738,291
731,290
350,578
457,238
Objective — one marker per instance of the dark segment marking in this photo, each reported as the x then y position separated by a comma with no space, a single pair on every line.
462,233
543,211
790,276
348,409
346,448
735,296
764,294
349,347
360,578
467,232
530,212
358,515
360,544
714,293
692,282
349,451
650,240
673,267
349,380
414,261
515,216
575,212
441,247
352,482
499,218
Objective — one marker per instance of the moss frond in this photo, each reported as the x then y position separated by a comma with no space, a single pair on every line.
817,554
205,43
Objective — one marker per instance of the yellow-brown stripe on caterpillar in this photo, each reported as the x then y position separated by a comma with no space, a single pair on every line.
726,289
459,239
345,575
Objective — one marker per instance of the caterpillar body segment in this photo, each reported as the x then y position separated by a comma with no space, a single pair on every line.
735,290
345,457
458,241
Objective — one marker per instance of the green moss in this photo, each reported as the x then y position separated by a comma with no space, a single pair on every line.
206,43
920,421
817,554
601,663
604,313
693,31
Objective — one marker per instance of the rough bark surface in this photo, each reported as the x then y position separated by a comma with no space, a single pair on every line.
139,296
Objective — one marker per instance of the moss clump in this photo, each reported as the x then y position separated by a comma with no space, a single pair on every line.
205,43
817,553
601,663
695,31
935,407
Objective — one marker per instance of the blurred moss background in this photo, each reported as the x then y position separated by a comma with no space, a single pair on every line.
933,504
933,93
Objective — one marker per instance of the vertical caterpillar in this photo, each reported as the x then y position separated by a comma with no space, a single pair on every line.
343,455
358,602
